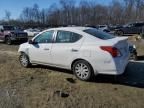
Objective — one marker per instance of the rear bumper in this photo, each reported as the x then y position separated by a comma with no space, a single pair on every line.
112,67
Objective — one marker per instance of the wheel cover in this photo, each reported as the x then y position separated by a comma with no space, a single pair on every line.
82,71
24,60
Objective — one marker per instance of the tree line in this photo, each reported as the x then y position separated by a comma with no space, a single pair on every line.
86,12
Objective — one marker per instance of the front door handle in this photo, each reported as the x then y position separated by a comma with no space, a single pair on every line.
74,50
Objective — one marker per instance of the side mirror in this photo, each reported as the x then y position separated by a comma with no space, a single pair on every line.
32,42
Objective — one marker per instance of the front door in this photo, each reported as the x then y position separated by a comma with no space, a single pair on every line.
41,51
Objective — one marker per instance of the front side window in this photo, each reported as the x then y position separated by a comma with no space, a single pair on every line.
67,37
45,37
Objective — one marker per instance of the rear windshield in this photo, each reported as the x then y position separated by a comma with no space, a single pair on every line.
99,34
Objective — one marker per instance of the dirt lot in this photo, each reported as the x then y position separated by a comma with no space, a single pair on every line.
46,87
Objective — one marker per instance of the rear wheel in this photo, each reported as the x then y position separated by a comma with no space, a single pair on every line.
24,60
82,70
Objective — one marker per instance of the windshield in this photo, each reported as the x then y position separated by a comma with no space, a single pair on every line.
99,34
9,28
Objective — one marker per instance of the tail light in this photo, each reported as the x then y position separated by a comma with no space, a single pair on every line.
112,50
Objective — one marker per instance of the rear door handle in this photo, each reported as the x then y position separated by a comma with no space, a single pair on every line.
46,49
74,50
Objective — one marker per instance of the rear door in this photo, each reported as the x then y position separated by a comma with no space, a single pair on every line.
65,48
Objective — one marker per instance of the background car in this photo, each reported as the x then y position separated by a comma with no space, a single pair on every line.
32,32
133,52
104,28
10,34
132,28
86,51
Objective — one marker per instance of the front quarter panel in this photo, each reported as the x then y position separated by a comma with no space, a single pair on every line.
24,48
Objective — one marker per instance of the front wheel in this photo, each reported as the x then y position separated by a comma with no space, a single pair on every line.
82,70
24,60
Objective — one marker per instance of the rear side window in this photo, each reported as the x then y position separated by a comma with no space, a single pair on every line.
67,37
99,34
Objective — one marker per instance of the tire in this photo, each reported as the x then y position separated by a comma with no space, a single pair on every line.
120,33
24,60
78,70
8,40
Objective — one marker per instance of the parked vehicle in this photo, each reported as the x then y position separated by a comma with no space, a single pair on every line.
115,27
133,52
133,28
32,32
10,34
104,28
86,51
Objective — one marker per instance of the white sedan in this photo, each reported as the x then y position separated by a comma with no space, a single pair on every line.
86,51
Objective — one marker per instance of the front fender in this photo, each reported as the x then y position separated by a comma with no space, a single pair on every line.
24,48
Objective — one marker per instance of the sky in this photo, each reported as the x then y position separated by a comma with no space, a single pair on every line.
16,6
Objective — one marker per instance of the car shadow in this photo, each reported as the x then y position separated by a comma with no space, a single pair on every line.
52,69
133,76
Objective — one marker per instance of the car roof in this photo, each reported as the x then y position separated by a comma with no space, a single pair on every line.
70,28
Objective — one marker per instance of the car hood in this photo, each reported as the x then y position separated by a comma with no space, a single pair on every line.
15,31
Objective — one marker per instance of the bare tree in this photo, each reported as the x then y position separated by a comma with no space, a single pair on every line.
86,12
7,15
